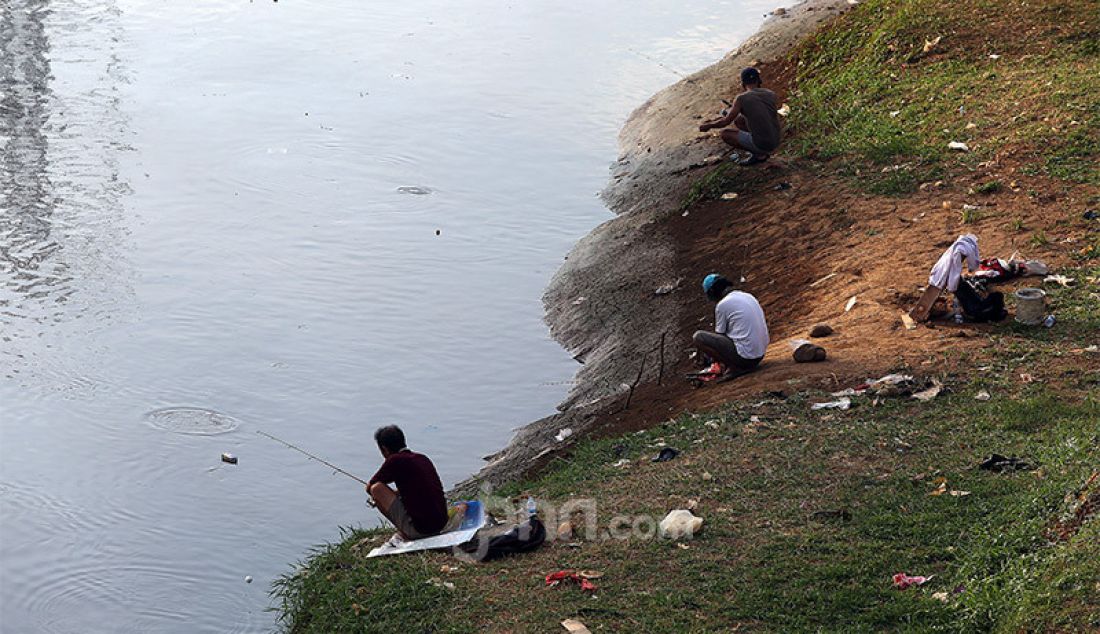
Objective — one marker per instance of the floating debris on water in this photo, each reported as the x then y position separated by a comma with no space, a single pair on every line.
415,190
229,458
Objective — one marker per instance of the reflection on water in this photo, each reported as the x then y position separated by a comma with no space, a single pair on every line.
60,187
31,270
306,218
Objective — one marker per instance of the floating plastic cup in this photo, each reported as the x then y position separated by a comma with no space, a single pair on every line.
1031,306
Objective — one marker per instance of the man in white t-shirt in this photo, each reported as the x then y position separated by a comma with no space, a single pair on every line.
741,334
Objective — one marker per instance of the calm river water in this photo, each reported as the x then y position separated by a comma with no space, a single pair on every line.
307,218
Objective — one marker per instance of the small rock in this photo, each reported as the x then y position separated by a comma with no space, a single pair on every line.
248,579
982,396
821,330
729,195
779,11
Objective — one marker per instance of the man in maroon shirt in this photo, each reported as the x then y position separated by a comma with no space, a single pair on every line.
417,508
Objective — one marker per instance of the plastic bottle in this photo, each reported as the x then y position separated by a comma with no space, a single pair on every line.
532,508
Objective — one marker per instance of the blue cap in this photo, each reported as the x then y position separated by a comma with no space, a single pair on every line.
709,281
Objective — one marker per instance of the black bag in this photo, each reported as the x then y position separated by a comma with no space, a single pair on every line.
492,544
977,306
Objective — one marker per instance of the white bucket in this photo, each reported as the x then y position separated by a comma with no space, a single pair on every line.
1031,305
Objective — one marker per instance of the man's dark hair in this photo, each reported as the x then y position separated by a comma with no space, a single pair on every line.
390,437
750,76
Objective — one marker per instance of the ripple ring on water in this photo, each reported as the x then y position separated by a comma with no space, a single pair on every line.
191,420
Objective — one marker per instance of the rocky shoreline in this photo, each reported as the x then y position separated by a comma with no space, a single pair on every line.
610,304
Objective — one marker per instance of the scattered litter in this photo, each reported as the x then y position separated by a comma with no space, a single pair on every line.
994,56
908,322
680,524
565,531
894,113
958,145
1091,214
682,546
940,596
580,577
668,453
821,330
563,434
982,396
248,579
729,195
822,280
713,424
941,488
842,403
665,289
439,583
229,458
851,302
1000,464
929,45
579,300
707,476
903,581
575,627
930,393
833,514
414,190
1066,282
1048,321
971,125
621,463
784,110
1026,378
782,186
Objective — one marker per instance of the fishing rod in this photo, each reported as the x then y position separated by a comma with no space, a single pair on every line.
318,459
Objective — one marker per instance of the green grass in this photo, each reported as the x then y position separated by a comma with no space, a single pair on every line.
765,560
868,96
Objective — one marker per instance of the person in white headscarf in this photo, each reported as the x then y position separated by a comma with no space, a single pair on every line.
948,269
974,302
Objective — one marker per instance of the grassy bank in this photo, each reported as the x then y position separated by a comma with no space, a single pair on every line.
886,90
808,514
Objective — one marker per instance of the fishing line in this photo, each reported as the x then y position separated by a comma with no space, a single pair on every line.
317,458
